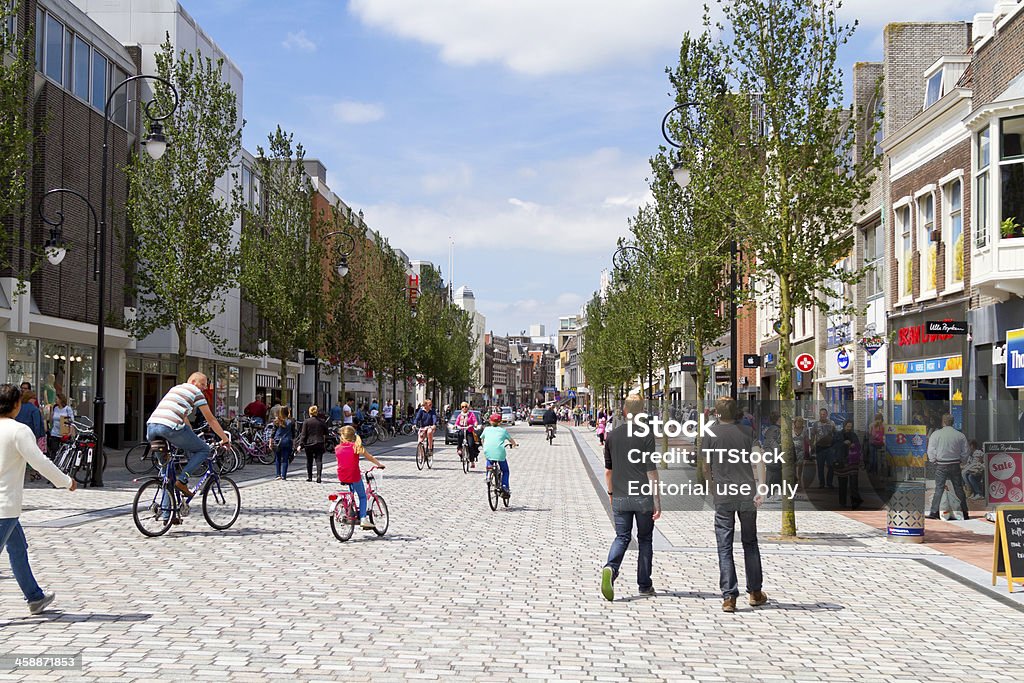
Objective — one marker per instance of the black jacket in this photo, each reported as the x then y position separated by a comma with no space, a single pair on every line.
314,432
549,417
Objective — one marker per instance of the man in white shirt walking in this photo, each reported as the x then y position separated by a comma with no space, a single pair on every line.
18,448
947,449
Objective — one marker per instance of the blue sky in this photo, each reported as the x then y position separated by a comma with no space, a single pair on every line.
520,128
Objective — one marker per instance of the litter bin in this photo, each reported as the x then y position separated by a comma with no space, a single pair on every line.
905,512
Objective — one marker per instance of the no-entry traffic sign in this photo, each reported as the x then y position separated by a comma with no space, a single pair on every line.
805,362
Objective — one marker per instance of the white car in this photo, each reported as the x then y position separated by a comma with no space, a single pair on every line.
508,417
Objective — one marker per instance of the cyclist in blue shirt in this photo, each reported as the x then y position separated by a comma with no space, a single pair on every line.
425,420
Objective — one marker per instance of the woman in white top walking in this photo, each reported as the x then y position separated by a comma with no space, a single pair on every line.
17,448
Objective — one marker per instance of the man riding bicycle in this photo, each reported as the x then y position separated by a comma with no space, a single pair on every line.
465,423
425,421
170,422
550,421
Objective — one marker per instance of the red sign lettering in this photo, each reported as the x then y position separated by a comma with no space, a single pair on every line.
909,336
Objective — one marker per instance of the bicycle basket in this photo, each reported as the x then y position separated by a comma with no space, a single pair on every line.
377,477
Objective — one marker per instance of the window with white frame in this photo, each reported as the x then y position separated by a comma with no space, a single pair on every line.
953,232
981,189
928,247
933,89
1011,177
904,254
874,252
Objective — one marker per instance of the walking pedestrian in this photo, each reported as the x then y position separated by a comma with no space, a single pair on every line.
18,448
30,416
625,476
771,442
63,416
848,462
601,424
282,441
313,438
947,449
802,450
822,435
734,483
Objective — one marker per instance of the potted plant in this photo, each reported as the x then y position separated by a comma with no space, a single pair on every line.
1010,228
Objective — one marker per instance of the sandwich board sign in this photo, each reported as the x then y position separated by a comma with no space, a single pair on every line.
1008,545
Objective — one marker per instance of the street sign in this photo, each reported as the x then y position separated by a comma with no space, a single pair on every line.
777,326
805,362
1015,359
769,359
751,360
843,359
571,394
688,363
947,327
308,357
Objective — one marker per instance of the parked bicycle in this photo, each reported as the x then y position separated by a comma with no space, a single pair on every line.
344,509
159,504
75,456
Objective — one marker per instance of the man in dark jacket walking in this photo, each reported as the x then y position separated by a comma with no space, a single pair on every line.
313,438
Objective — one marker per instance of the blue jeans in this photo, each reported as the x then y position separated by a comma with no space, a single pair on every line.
281,459
976,480
503,465
624,513
825,459
185,439
725,529
12,537
359,488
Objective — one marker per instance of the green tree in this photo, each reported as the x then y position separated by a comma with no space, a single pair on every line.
16,132
182,253
281,256
341,334
779,152
383,310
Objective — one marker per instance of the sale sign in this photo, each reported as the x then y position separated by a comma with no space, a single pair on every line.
1004,472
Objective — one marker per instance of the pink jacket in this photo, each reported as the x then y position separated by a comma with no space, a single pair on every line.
467,420
600,425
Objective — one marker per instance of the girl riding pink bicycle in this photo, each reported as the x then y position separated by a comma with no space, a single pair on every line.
348,452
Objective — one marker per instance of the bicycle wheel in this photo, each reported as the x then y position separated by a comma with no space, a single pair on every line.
465,461
263,452
421,455
430,458
342,524
383,434
139,460
221,502
407,429
493,490
378,513
83,470
152,502
240,458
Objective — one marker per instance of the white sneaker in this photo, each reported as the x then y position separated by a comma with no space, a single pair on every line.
365,523
37,606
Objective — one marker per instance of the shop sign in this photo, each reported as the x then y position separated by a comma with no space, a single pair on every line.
906,445
843,359
1015,359
918,334
838,334
909,368
1004,471
946,327
688,363
871,347
769,359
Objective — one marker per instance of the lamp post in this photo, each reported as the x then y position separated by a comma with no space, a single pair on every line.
681,174
394,371
620,262
341,268
155,145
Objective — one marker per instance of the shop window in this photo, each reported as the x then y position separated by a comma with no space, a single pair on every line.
21,360
54,49
80,379
981,190
927,246
1011,155
953,229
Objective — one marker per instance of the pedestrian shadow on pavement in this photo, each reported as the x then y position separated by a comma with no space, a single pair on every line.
245,531
60,616
810,607
700,595
526,508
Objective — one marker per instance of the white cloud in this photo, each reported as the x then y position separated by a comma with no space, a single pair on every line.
458,178
510,317
536,37
299,41
348,111
540,37
571,217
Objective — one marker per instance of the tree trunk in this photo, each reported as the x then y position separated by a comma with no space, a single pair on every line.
282,375
664,416
182,332
701,383
786,405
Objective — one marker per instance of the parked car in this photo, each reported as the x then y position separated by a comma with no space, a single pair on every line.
536,417
508,417
451,434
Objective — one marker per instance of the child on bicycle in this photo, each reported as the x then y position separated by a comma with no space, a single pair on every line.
495,437
348,452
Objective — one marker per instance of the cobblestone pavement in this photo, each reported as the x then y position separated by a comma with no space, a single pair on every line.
457,592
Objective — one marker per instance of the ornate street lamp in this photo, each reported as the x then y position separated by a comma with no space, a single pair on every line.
155,145
681,174
342,268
